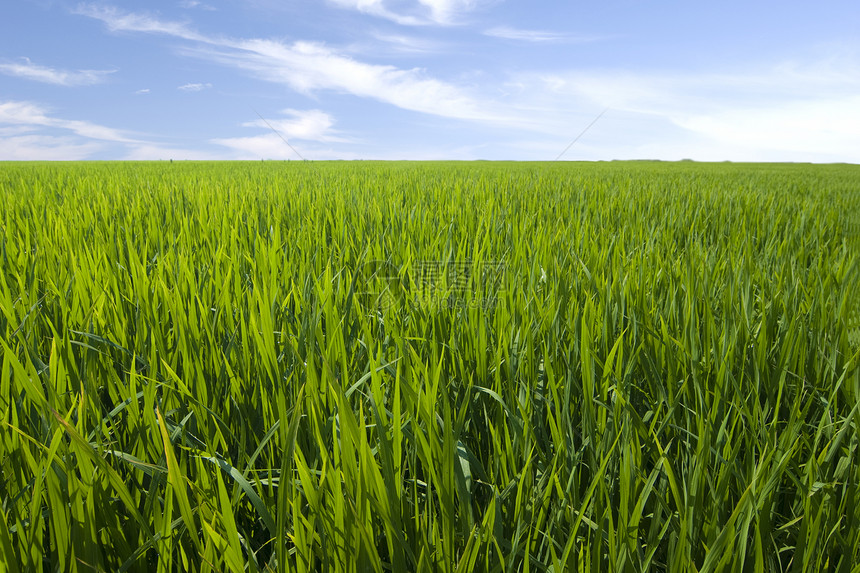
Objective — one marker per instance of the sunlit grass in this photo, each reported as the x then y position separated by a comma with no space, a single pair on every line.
195,378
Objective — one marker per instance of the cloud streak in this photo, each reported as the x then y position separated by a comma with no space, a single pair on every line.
192,4
29,132
118,21
23,135
537,36
194,87
410,13
398,44
310,66
309,125
378,9
18,113
43,74
301,125
46,148
445,11
307,67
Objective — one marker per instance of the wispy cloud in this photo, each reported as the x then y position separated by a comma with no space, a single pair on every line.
29,114
9,131
46,148
119,21
28,70
827,126
445,11
377,8
143,91
411,13
300,125
267,146
309,66
196,4
194,87
665,93
537,36
398,44
309,125
29,131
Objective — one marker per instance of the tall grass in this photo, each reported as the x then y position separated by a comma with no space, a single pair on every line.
666,379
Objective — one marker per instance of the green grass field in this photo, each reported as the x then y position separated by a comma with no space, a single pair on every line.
370,366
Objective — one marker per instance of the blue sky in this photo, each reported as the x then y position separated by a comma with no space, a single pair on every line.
430,79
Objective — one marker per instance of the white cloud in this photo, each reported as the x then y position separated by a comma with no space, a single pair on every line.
677,94
194,87
310,125
46,148
119,21
307,67
268,146
302,125
410,13
18,113
191,4
829,126
537,36
142,92
444,11
397,44
377,8
29,132
310,66
31,71
15,130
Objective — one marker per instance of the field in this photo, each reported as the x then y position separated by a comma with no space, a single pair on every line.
429,367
